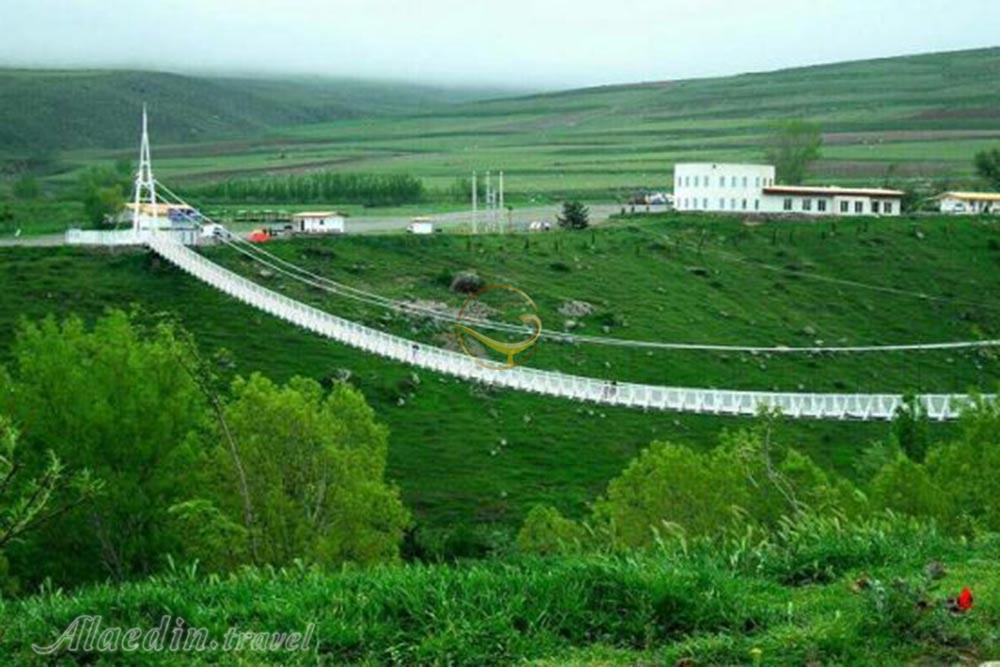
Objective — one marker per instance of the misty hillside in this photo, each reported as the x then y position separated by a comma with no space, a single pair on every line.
42,110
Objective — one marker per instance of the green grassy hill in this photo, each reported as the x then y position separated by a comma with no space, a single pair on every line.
904,119
464,453
45,110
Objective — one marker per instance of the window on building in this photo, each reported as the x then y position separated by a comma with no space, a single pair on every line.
733,181
788,204
807,204
704,203
887,207
722,181
821,205
756,204
874,206
744,181
859,207
756,182
722,204
744,204
732,203
695,181
844,207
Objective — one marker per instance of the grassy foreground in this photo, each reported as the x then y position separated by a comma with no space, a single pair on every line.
822,592
466,454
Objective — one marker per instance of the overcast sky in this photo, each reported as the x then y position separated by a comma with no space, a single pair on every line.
519,43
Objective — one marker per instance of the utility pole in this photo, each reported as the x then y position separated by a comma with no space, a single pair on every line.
500,209
144,177
475,203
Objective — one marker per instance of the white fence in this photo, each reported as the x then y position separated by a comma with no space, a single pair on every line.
551,383
127,237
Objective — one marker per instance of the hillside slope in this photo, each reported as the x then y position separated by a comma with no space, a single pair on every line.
466,453
41,110
909,118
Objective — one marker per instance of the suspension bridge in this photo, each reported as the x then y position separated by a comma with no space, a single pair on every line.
841,406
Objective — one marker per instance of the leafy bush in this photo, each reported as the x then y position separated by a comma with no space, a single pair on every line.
112,399
466,282
313,465
546,532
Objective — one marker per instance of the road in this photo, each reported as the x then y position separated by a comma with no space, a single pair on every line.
520,218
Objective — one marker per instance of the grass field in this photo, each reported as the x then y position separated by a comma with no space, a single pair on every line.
926,115
832,595
466,454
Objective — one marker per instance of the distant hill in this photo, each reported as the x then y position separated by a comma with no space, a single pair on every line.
912,118
42,110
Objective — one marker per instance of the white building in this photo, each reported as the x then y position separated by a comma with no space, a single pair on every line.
807,200
318,222
704,186
969,203
420,226
161,216
750,188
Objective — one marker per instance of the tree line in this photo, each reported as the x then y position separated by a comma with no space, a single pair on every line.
318,187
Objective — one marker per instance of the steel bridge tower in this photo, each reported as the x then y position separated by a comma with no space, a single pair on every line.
145,185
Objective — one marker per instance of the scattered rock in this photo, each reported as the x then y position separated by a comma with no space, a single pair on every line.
574,308
466,282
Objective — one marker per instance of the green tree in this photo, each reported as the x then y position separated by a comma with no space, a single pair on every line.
315,467
27,188
7,220
911,428
672,485
546,532
28,501
103,191
904,486
112,399
988,166
792,147
574,216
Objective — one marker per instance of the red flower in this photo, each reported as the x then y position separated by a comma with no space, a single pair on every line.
964,600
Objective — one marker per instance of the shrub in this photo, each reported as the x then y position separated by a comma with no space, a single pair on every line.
904,486
546,532
314,464
466,282
672,484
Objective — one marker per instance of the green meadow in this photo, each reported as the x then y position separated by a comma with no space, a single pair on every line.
468,454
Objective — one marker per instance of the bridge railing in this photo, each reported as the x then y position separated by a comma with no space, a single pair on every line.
551,383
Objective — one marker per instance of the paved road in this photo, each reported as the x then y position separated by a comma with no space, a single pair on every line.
520,218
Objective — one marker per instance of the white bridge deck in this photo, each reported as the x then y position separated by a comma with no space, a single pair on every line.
550,383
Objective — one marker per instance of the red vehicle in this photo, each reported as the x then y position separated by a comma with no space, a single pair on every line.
259,236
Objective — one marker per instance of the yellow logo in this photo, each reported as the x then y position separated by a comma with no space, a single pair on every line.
509,302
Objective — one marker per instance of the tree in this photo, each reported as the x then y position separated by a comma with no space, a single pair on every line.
547,532
574,216
315,466
103,190
988,166
27,188
672,485
28,501
911,429
114,400
792,147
